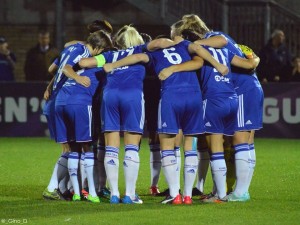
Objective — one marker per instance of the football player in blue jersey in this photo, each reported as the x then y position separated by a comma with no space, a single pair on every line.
122,110
180,108
209,125
73,100
249,116
50,94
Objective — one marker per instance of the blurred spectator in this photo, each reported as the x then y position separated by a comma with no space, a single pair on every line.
39,58
275,59
295,75
7,61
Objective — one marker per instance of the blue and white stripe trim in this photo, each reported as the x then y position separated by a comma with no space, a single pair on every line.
112,149
131,148
217,156
166,153
241,147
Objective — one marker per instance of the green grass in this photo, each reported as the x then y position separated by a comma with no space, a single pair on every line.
26,165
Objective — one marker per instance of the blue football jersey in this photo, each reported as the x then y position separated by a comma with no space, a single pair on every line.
79,94
70,56
165,58
243,82
213,84
126,76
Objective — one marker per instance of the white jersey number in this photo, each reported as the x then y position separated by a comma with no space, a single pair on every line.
216,53
173,57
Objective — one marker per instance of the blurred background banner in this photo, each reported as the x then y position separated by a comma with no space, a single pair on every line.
281,117
21,106
20,109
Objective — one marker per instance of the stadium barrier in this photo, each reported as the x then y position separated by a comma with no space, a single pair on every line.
21,106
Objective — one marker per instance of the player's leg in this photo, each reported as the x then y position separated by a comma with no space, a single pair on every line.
178,141
59,172
103,190
217,163
242,155
190,166
155,161
131,166
73,160
89,167
230,163
203,164
252,158
169,167
111,163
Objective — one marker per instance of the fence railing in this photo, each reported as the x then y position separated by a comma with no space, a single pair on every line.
247,21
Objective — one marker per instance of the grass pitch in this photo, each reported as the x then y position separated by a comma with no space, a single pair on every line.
26,165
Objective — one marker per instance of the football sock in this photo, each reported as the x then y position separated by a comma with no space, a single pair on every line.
111,163
190,171
155,163
178,160
60,170
242,169
203,165
131,165
73,160
252,164
101,168
218,170
89,170
169,167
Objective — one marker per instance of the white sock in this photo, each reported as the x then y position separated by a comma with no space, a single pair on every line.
73,160
111,163
131,165
242,169
60,170
89,160
169,167
252,164
218,170
190,171
101,168
178,160
203,165
82,171
155,163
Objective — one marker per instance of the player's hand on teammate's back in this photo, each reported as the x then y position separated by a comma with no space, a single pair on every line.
222,69
164,74
108,67
83,80
47,94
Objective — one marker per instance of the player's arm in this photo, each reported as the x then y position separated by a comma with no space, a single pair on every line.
215,41
251,63
48,90
127,61
70,73
160,43
52,69
194,64
202,52
73,43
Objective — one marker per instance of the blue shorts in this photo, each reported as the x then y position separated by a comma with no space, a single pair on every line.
123,110
250,111
220,115
73,123
180,110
